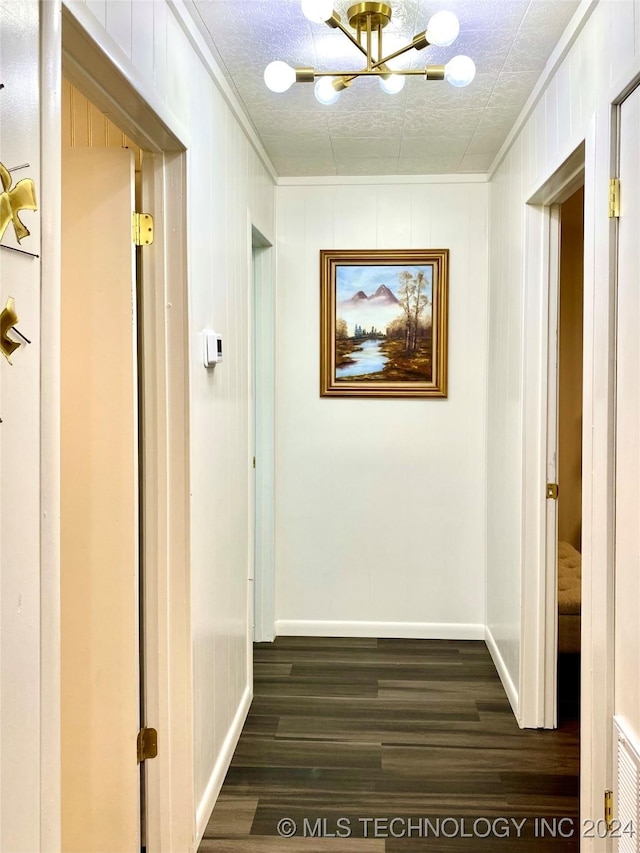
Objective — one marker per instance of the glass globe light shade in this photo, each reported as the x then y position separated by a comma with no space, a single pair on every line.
324,91
442,29
460,71
279,76
393,84
317,11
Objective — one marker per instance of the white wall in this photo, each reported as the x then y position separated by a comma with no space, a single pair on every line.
20,663
380,503
573,107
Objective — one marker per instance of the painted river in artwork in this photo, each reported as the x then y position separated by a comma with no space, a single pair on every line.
369,359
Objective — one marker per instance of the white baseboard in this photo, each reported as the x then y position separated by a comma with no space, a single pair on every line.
503,672
208,801
400,630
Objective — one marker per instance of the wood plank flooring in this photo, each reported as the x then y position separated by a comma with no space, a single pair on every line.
417,735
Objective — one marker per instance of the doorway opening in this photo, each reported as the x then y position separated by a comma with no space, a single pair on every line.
570,408
559,195
553,438
262,570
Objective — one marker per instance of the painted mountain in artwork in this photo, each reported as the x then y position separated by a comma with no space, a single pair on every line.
375,311
382,296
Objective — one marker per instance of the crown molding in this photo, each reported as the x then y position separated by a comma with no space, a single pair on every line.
568,39
373,180
194,29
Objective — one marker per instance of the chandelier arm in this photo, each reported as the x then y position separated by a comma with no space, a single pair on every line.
351,75
369,43
410,46
351,37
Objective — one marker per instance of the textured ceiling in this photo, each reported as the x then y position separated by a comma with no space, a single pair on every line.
428,128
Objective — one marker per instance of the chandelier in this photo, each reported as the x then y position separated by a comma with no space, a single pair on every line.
368,20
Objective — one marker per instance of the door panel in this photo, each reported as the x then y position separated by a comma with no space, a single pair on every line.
627,539
99,488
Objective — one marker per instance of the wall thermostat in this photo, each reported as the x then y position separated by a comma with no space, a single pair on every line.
212,348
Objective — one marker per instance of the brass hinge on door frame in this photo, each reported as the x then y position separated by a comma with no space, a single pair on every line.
614,198
608,808
142,229
552,491
147,744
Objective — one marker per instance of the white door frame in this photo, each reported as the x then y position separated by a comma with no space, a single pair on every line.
598,756
262,532
621,729
70,36
538,651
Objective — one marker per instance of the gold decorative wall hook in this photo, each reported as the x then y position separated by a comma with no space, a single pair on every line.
12,201
8,319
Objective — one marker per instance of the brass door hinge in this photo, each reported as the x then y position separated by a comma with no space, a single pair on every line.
254,461
142,229
552,491
147,744
608,808
614,198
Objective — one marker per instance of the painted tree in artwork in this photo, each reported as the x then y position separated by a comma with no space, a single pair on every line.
420,303
342,331
413,300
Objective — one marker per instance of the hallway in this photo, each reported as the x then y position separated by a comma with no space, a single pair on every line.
344,731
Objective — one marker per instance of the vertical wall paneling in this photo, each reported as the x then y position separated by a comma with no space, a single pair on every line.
142,40
84,126
118,22
99,9
380,503
160,15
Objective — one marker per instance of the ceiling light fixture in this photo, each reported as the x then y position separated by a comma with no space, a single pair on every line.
368,20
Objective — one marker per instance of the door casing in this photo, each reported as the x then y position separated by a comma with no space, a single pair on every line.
93,67
537,702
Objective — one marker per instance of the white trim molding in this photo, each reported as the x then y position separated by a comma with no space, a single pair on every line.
373,180
399,630
503,672
214,785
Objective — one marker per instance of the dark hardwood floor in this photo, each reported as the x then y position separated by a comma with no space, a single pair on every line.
417,734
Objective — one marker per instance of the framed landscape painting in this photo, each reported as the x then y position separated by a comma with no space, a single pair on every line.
383,322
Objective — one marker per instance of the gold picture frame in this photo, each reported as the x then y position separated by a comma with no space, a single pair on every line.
383,322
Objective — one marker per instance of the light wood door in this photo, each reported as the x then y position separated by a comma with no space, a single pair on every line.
99,488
